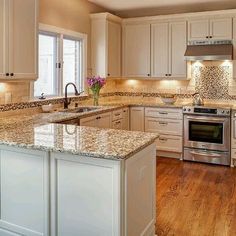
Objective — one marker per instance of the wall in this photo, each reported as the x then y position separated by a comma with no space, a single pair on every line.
68,14
213,80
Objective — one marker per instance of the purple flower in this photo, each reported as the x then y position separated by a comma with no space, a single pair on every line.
96,82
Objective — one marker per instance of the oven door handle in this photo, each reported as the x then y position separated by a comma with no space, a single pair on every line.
205,154
205,119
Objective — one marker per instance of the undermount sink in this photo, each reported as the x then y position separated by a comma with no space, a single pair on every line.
80,109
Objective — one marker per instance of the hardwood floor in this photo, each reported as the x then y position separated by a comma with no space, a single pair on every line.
195,199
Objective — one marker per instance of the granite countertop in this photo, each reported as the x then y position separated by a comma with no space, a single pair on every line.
84,141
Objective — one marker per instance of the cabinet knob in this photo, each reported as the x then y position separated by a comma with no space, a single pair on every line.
12,74
169,74
7,74
108,74
207,37
166,74
210,37
148,74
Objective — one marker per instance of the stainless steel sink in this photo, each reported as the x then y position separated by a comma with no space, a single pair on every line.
80,109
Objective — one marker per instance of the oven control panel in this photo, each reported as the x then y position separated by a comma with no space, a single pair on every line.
199,110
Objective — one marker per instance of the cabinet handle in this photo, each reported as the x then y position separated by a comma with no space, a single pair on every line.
163,113
163,139
117,114
98,118
7,74
12,74
163,123
118,122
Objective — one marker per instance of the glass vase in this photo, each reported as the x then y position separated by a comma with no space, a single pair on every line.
95,98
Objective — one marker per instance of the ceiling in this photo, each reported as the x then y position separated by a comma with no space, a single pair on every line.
132,8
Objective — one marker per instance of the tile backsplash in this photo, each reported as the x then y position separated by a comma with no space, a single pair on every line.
213,80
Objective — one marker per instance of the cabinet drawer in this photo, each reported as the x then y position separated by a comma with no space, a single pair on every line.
164,113
169,143
164,126
117,115
117,124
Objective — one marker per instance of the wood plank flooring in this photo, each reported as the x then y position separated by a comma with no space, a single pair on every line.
195,199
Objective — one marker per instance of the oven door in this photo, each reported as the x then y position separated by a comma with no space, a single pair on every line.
206,132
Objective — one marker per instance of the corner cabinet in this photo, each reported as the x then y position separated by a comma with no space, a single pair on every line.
18,40
169,41
106,45
136,50
216,28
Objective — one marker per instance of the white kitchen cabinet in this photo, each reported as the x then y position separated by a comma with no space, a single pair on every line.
18,30
168,123
136,50
137,119
125,122
215,28
24,192
160,50
125,191
100,121
104,120
169,41
106,45
2,39
234,48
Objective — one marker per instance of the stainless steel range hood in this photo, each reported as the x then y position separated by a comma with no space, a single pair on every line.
209,50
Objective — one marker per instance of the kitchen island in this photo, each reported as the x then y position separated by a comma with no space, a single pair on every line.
66,180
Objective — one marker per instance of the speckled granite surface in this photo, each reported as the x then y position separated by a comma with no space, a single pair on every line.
37,131
85,141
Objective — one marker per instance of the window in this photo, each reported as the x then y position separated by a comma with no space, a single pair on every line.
62,59
47,71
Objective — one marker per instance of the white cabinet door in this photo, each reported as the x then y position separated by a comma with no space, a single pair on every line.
137,119
2,39
221,28
178,44
125,121
104,120
88,121
198,29
234,44
24,192
136,51
114,50
23,39
160,50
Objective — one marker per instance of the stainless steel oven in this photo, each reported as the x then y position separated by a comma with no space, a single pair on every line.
207,135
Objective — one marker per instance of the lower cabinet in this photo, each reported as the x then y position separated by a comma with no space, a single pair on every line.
101,121
59,194
167,122
137,119
120,119
24,195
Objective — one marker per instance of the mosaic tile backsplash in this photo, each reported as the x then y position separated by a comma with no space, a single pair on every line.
212,82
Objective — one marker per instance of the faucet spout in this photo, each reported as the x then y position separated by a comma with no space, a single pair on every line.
67,100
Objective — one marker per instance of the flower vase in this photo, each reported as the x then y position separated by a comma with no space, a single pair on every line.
95,98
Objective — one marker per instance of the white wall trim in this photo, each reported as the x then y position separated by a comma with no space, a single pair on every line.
186,16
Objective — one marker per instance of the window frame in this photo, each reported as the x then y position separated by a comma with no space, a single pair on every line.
61,34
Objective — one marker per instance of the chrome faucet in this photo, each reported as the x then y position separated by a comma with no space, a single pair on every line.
67,100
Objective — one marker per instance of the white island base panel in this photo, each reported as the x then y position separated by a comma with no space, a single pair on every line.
58,194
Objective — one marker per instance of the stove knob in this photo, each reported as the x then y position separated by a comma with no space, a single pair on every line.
222,112
184,109
227,112
189,109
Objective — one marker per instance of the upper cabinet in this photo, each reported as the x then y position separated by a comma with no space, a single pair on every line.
106,45
136,50
169,41
215,28
18,39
